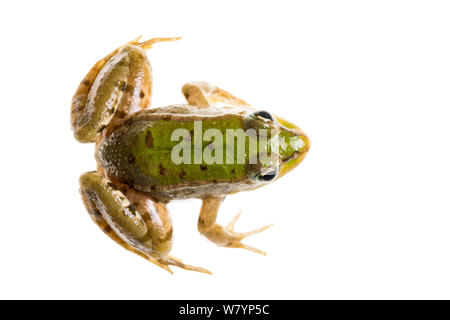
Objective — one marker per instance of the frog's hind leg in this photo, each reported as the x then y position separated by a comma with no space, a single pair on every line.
225,237
133,221
116,86
203,94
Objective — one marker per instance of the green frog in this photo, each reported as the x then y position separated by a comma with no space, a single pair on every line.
215,145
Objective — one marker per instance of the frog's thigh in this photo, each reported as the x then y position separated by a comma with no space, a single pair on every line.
202,94
96,216
225,237
146,231
115,215
112,93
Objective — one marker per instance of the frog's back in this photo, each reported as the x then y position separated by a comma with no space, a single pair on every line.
141,152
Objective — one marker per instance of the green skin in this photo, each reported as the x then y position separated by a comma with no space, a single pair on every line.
136,174
139,153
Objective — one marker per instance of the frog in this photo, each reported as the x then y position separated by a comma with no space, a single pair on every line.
136,174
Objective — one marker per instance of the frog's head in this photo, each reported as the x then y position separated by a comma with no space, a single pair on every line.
290,141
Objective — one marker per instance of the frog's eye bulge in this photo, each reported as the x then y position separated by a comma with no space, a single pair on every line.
264,115
147,233
268,176
117,85
202,95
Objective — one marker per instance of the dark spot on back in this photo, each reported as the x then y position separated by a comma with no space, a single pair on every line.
101,128
142,94
121,113
162,170
79,108
86,83
131,158
111,110
149,139
203,167
122,86
112,186
128,88
131,210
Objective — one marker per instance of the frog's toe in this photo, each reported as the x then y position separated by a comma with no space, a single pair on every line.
169,260
223,236
149,43
161,265
238,236
230,226
239,244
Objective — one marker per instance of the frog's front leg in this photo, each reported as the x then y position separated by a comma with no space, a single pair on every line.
133,221
203,94
225,237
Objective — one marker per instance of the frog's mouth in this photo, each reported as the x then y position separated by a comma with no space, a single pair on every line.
294,145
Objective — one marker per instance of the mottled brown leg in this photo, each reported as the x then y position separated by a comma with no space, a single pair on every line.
225,237
116,86
136,223
104,226
202,94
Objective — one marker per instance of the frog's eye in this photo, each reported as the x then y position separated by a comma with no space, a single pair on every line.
263,115
268,176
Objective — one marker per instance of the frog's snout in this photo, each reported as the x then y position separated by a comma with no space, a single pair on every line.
306,144
294,145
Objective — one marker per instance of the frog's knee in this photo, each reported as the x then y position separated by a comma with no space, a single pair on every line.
93,184
159,224
203,94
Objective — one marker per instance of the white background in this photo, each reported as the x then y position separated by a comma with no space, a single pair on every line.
366,215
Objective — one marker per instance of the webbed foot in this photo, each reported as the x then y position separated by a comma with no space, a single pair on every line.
224,237
238,236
